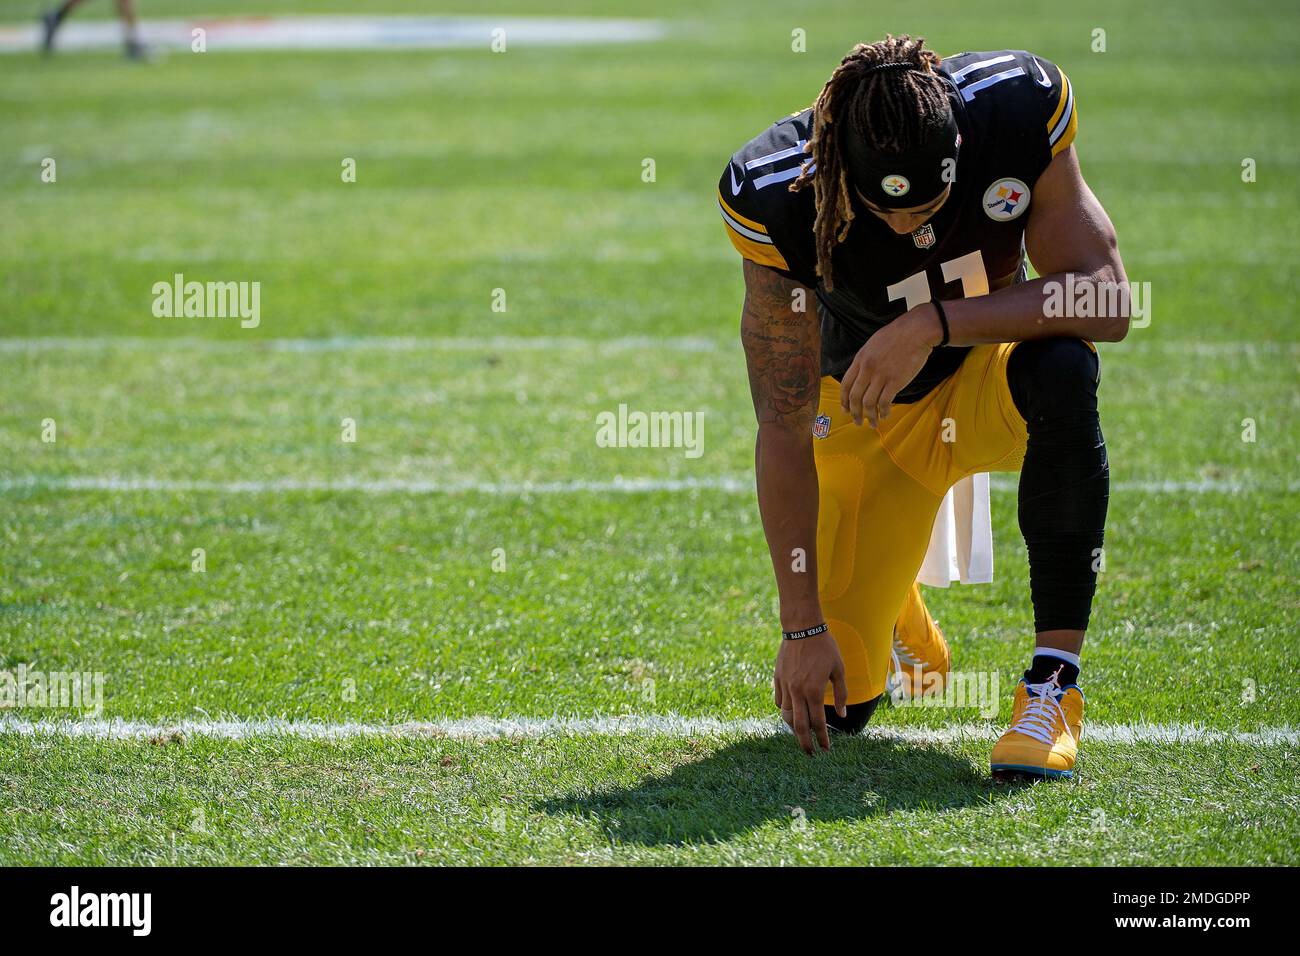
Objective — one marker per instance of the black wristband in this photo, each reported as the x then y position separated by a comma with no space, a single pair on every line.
807,632
943,321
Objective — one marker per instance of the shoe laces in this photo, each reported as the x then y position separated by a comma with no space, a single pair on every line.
894,680
1043,715
901,661
902,653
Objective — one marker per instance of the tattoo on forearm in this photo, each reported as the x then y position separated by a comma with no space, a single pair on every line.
782,349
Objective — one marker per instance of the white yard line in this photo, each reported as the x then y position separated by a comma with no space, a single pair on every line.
732,484
528,343
382,486
668,725
341,33
740,484
1204,486
369,343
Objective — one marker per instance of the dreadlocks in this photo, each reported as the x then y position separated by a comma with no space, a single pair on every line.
893,110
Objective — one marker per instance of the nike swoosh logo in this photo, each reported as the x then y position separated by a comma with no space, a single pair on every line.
1043,73
735,186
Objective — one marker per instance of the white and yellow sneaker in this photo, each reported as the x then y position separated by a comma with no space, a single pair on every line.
920,659
1043,739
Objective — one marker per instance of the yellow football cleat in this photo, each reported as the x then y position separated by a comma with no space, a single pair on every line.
1043,739
920,660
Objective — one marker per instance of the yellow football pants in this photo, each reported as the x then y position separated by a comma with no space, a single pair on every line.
880,491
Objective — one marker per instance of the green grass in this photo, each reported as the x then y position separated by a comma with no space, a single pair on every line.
522,172
633,801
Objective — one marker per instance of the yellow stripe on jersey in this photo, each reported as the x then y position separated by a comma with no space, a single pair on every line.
1065,120
1060,106
1067,137
764,254
756,226
750,238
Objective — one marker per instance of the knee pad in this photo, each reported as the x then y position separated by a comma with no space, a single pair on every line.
1053,380
858,715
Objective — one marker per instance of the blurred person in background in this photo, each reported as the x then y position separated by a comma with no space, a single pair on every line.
52,19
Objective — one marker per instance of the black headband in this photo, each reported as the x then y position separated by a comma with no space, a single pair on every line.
903,181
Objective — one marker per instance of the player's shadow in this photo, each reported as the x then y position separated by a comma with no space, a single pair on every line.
760,780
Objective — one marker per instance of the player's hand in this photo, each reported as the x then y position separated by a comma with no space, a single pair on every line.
803,669
890,359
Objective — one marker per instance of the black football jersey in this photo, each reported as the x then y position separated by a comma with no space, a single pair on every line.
1015,112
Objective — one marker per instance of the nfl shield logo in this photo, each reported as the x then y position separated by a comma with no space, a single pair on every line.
822,426
924,237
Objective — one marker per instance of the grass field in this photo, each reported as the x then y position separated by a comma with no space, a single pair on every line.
475,554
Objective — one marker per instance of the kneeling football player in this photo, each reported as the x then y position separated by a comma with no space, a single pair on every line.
896,345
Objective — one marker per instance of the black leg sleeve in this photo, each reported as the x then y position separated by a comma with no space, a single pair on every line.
858,715
1065,482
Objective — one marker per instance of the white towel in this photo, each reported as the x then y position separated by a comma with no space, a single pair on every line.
961,543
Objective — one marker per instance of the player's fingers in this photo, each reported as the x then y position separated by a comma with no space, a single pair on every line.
861,387
841,690
869,402
817,710
776,690
846,385
885,403
852,377
801,725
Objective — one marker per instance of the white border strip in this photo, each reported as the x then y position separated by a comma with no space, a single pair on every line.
525,343
381,486
668,725
341,33
350,343
732,484
1202,487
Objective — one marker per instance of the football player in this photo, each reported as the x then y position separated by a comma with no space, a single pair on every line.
896,345
51,20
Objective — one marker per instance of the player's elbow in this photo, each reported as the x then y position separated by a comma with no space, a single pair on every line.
787,439
1113,299
786,432
1116,330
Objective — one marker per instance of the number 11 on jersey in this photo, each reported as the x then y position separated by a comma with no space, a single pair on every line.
915,289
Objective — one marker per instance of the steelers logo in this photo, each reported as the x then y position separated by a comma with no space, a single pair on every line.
1006,199
895,185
